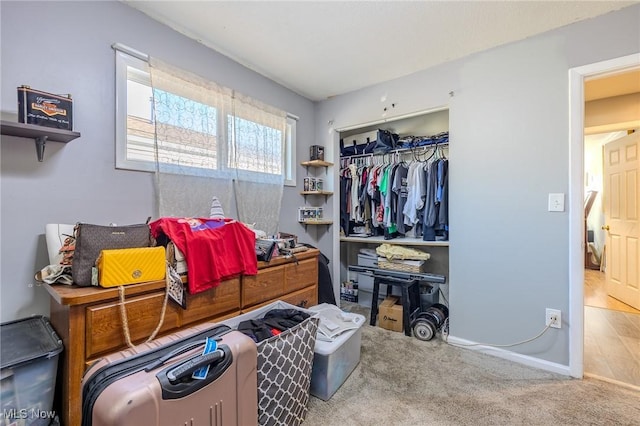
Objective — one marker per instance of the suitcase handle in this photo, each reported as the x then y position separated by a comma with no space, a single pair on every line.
187,386
188,367
182,349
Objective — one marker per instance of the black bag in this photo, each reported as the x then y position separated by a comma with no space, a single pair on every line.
385,142
354,149
92,239
265,250
346,151
369,146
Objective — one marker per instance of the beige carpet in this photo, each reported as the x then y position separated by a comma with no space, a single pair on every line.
401,380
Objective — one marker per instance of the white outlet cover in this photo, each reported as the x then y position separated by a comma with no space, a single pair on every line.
556,202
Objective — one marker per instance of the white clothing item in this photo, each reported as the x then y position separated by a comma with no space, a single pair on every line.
417,192
334,322
410,176
50,274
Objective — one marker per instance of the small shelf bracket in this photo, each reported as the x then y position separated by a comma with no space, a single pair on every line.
40,134
40,143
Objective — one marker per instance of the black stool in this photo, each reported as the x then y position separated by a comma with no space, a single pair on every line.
410,298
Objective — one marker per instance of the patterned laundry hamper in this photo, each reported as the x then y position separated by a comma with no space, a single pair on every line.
285,362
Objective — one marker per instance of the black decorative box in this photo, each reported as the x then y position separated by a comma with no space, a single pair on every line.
316,152
44,109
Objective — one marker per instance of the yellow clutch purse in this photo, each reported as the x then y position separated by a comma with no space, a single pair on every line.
131,266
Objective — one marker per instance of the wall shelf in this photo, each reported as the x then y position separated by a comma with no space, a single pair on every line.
316,163
40,134
315,222
316,193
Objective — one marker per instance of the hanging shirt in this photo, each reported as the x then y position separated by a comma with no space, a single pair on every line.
215,249
385,201
363,197
374,195
443,210
353,201
430,204
391,213
345,196
415,193
400,189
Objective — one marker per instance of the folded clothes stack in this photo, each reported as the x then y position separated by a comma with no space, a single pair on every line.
401,258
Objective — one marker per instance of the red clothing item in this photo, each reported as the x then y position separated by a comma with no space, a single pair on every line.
215,249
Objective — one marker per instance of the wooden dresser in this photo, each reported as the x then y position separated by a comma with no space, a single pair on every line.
89,322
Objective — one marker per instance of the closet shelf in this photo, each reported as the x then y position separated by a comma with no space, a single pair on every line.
316,193
40,134
406,241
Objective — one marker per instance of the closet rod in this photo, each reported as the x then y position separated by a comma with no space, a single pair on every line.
399,150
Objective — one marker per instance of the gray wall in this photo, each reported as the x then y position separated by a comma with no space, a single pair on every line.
64,47
509,148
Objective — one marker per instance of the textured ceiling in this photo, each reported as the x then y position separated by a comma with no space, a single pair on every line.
327,48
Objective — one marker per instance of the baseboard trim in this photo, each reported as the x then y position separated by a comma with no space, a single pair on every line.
511,356
613,381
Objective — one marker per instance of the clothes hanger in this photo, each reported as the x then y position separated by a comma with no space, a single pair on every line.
435,150
414,153
444,157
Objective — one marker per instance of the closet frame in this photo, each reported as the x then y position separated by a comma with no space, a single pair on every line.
427,124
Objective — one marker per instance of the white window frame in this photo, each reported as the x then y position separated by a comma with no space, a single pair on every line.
289,156
123,62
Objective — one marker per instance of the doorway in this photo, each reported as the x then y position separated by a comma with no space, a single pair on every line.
611,326
595,318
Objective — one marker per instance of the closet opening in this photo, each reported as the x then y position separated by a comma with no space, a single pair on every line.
378,174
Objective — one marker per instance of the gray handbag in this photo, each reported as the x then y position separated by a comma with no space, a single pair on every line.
92,239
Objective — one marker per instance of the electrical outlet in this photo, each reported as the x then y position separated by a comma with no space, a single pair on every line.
553,318
556,202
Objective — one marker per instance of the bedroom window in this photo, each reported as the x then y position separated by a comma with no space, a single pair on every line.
201,128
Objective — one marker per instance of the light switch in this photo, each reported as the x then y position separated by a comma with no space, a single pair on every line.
556,202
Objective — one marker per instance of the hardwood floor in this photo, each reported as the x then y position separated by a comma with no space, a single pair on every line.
595,293
611,334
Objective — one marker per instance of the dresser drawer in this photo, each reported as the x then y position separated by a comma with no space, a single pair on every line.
300,275
268,284
220,299
303,298
215,320
104,330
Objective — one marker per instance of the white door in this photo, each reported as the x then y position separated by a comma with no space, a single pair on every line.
622,218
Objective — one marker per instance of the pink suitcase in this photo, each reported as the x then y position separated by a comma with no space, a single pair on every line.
152,384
